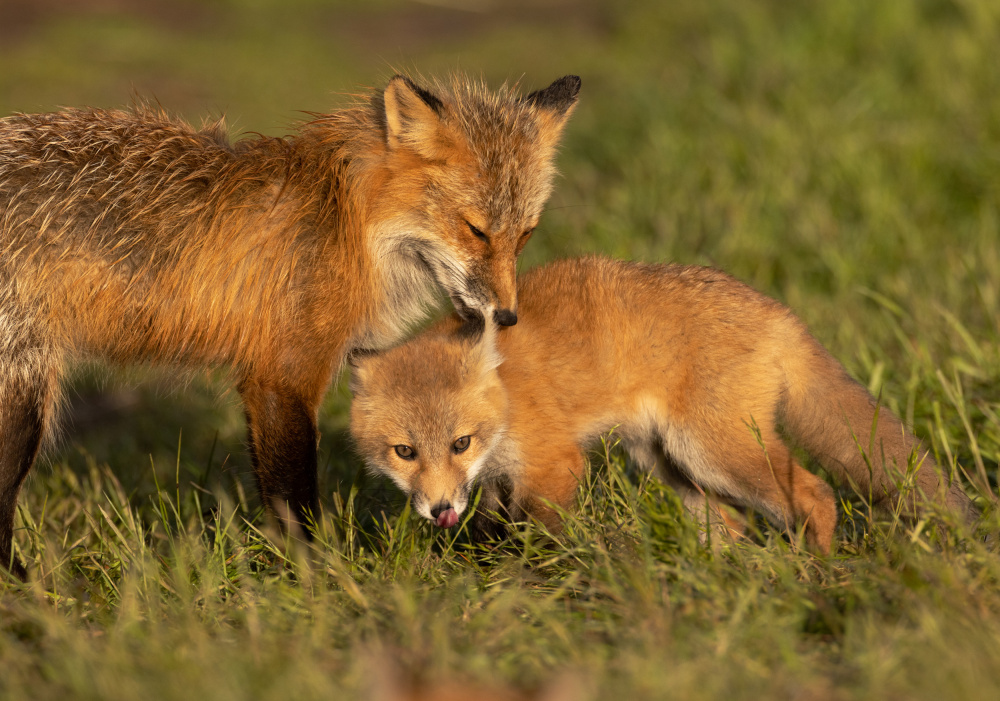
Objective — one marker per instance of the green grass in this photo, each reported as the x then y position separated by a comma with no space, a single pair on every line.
843,157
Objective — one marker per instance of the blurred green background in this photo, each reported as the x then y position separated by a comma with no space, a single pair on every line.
841,156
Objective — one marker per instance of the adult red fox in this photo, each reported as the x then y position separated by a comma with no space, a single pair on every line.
131,236
693,369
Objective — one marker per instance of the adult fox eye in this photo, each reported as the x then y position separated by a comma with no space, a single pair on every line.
461,444
405,452
478,233
524,239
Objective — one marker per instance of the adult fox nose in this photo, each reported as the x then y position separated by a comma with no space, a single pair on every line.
505,317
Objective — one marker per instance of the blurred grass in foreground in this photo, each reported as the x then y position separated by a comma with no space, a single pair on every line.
841,156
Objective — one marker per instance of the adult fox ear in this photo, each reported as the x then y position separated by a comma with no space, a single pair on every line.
558,99
553,106
413,119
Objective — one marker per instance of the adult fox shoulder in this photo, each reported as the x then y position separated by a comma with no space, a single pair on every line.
132,236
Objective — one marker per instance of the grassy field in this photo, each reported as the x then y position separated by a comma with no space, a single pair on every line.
843,157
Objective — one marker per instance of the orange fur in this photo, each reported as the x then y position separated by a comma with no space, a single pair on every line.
698,373
131,236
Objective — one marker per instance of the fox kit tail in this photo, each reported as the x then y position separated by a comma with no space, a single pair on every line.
858,441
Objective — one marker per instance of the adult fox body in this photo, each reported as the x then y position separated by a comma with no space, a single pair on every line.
133,237
693,369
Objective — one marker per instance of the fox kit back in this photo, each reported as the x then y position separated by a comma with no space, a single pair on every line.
131,236
693,369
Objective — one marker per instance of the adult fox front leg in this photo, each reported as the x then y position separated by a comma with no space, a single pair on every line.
133,237
282,439
23,408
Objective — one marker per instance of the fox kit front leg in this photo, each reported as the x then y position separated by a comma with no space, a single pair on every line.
551,477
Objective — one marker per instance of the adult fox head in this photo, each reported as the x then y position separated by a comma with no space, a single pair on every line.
470,173
428,414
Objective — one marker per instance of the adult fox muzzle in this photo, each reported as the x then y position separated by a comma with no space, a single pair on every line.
131,236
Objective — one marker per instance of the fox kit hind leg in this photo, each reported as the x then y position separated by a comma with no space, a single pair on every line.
759,471
706,508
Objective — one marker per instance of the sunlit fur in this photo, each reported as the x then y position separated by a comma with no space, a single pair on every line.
700,376
131,236
398,401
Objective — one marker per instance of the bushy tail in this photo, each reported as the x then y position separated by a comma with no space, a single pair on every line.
860,443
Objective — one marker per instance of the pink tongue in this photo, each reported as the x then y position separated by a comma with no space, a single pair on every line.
447,518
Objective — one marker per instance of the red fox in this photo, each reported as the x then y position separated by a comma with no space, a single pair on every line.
693,369
131,236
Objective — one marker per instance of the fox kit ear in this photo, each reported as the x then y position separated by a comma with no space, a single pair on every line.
358,360
413,118
559,98
484,355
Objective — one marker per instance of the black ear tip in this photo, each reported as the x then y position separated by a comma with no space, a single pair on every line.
357,356
560,96
572,83
429,98
400,78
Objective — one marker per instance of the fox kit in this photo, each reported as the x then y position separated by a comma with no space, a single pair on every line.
131,236
695,370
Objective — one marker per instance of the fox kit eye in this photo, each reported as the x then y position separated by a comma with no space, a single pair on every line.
478,233
405,452
460,444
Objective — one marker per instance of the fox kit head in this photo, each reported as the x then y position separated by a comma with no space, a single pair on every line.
471,171
427,414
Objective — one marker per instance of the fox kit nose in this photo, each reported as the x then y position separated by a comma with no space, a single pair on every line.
444,516
505,317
